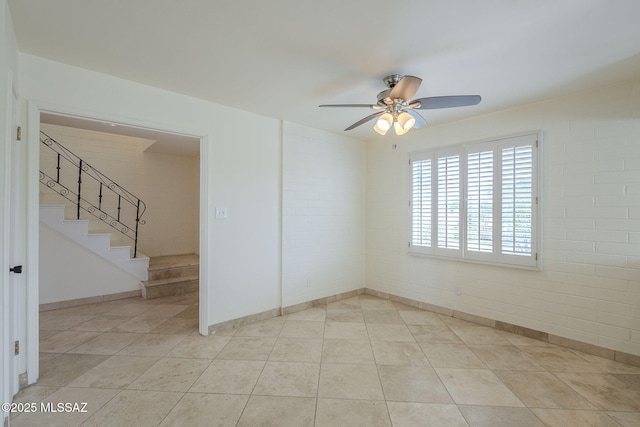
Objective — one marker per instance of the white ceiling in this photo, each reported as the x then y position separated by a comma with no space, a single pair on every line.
282,58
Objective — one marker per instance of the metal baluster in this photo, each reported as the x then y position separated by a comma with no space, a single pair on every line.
58,170
135,242
100,198
79,187
119,199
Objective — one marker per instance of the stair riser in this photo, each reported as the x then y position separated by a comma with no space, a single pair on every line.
167,273
169,289
67,212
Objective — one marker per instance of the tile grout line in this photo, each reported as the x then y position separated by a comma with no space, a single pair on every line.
519,347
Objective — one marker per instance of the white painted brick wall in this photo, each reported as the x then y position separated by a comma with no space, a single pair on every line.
323,220
589,289
168,184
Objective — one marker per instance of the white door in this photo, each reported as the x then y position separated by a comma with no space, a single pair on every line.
7,323
17,240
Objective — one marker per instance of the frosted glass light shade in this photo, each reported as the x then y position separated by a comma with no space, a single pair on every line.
380,131
404,122
383,124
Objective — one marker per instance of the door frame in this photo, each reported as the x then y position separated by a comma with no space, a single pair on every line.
34,109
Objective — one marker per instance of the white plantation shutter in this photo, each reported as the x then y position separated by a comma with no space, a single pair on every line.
478,202
448,202
517,203
421,201
480,206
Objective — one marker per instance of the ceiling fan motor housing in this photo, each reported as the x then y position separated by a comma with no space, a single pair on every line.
383,98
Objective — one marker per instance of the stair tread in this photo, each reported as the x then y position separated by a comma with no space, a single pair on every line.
98,235
75,221
170,280
173,261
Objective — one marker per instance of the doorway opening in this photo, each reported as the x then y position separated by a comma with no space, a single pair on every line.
164,145
140,187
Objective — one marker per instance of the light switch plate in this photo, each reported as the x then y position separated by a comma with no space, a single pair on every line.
221,213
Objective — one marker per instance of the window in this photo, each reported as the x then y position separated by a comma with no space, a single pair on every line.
477,202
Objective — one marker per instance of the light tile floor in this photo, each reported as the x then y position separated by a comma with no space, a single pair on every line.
362,361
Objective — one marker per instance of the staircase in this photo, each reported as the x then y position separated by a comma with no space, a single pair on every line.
73,185
99,243
89,191
171,275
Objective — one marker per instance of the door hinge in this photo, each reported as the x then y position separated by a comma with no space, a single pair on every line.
17,348
536,256
19,133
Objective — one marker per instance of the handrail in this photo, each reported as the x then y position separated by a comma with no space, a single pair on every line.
109,210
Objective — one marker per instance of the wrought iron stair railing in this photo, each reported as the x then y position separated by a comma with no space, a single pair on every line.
90,190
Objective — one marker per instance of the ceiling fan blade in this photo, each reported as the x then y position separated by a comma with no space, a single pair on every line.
406,88
420,121
365,120
436,102
351,105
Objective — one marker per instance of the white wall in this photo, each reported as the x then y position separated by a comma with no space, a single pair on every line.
167,183
589,289
68,271
323,226
241,160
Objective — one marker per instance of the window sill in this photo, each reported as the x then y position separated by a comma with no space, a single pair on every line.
537,267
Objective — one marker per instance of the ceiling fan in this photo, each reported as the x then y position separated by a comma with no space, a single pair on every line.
397,110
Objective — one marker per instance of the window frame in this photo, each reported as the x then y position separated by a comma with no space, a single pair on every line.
463,253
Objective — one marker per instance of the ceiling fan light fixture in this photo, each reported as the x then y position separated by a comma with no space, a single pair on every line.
404,123
399,130
382,132
383,124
